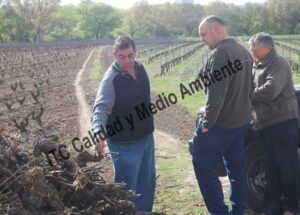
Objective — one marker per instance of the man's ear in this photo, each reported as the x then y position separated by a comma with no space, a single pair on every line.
270,48
115,54
216,28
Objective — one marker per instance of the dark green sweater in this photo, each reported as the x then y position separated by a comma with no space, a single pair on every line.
228,96
274,99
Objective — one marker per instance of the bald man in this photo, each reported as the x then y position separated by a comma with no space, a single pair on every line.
222,131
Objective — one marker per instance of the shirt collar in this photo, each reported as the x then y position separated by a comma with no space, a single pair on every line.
117,67
224,41
267,59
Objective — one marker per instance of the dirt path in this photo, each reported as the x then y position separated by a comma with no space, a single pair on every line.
162,139
83,107
84,111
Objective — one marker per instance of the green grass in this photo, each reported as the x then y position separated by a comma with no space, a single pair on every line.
170,82
177,189
288,54
97,70
296,78
291,44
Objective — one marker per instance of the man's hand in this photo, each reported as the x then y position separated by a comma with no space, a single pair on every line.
204,130
100,145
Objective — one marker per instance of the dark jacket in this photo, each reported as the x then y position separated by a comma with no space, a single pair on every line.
274,98
229,68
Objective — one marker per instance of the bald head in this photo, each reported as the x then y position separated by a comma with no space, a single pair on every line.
213,20
212,31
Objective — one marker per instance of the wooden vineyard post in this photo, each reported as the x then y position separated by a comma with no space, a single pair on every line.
166,60
161,65
298,63
290,52
197,71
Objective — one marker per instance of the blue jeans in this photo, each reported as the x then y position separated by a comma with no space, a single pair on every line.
134,164
208,149
279,146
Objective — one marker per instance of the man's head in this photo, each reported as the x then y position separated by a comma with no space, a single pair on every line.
124,52
261,44
212,31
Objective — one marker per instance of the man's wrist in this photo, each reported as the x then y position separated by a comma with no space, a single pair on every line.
204,129
96,130
205,125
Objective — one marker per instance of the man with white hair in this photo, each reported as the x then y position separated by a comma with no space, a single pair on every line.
227,116
275,116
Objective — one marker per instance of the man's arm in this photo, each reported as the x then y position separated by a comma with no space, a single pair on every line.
103,106
275,82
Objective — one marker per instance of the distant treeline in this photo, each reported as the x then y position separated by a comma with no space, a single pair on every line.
43,20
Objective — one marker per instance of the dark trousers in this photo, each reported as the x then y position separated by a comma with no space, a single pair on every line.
279,147
208,149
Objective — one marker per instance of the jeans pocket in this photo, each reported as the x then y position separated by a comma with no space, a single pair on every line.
198,133
199,129
114,151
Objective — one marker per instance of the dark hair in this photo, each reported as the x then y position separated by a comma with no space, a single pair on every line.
262,38
214,19
123,42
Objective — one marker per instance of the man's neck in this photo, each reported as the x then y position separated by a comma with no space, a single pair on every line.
265,55
220,39
223,37
131,72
